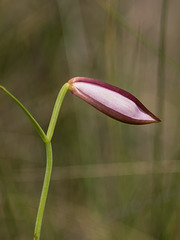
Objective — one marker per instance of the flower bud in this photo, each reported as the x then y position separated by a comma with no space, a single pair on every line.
112,101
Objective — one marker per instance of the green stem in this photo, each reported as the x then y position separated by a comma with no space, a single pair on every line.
56,109
49,161
31,118
49,157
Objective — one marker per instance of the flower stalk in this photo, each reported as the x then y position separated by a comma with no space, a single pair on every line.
56,110
49,154
44,193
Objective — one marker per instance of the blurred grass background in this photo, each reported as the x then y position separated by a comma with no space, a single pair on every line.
110,180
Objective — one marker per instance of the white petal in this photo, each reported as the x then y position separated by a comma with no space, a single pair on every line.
113,100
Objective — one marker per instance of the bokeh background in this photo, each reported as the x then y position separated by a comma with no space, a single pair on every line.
110,180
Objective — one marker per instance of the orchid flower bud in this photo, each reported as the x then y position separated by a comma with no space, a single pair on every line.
111,100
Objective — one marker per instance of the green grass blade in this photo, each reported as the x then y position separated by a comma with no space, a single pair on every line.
31,118
145,41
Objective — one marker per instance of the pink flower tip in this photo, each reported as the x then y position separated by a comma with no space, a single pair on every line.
112,101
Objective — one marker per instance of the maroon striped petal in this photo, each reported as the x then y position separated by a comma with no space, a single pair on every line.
112,101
